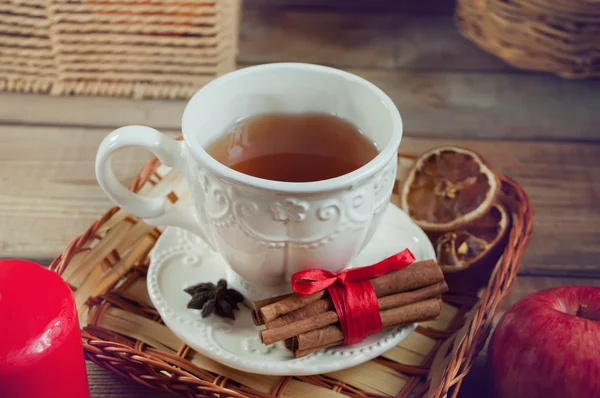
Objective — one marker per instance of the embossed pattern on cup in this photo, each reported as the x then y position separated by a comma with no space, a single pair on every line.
269,235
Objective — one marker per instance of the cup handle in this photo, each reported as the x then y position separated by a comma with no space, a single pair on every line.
152,210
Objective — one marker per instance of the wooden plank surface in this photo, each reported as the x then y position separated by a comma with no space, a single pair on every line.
375,40
540,129
442,84
445,7
432,104
49,193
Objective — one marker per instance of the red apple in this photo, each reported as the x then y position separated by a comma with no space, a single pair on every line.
548,346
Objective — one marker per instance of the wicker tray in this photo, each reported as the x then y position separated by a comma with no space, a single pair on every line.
106,267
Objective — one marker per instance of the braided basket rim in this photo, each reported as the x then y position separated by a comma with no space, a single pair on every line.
559,37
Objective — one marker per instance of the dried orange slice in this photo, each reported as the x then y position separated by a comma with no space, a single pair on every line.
473,243
447,188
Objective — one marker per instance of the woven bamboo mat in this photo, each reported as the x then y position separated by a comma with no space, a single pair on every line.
142,49
106,268
26,58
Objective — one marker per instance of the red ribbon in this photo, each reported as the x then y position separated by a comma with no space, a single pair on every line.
352,293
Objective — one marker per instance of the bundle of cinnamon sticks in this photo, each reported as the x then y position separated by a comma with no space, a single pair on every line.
310,323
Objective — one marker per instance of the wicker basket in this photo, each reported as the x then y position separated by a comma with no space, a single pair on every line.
133,48
558,36
106,267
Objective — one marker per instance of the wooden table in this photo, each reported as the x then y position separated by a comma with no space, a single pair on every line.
539,129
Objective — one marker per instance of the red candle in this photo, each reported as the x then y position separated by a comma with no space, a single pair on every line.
41,354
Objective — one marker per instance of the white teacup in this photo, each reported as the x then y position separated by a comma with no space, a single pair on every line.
268,230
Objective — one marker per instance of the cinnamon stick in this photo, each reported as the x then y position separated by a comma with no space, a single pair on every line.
270,336
332,334
413,276
310,310
309,323
414,296
394,300
329,335
288,304
257,305
289,344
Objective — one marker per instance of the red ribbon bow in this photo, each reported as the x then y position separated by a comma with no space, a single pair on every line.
352,293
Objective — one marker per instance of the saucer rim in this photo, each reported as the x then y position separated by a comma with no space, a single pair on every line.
342,357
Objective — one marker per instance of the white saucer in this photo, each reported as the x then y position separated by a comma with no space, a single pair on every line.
180,259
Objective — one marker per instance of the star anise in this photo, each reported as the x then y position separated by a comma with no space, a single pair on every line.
210,299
